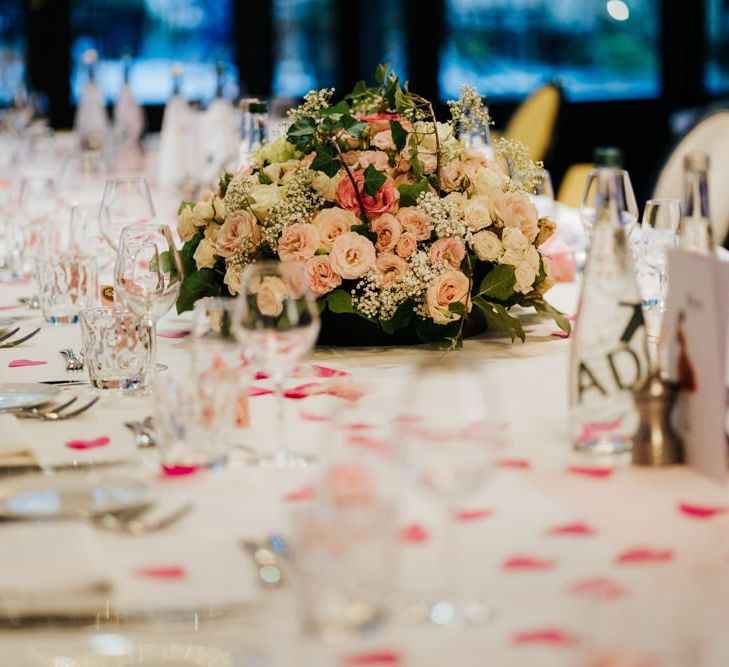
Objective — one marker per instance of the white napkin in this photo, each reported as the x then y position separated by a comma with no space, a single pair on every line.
219,127
178,158
51,568
92,123
15,443
128,128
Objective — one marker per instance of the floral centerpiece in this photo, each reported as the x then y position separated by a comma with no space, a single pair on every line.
401,229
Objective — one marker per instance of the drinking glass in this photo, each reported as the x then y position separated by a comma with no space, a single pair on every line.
588,204
35,234
83,178
85,237
277,323
659,233
543,195
450,442
147,275
116,345
67,284
126,201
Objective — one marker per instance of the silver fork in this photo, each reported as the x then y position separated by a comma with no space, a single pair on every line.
139,523
55,413
12,343
73,362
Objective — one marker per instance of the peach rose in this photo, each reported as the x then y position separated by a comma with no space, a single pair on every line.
238,228
333,222
322,278
388,230
383,202
378,122
415,220
270,295
232,279
451,176
377,159
451,250
511,209
406,245
449,287
298,242
383,141
352,255
391,269
405,179
487,246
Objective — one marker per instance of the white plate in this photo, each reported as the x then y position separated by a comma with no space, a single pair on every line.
162,655
14,395
72,496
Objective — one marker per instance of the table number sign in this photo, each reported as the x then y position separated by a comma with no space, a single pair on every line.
694,341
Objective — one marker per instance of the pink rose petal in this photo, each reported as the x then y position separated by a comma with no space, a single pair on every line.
180,333
312,417
88,444
260,375
372,658
258,391
303,390
560,334
590,471
572,318
516,464
10,306
17,363
579,529
162,572
473,514
552,636
701,511
178,471
602,588
367,442
326,372
307,492
521,562
644,555
414,533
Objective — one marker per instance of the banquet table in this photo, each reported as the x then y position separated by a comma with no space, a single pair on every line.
574,554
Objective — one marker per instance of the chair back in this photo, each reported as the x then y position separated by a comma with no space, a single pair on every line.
572,187
534,121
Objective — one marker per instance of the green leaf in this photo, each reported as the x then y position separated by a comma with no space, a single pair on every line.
458,308
402,317
340,301
340,107
224,182
541,306
325,160
409,193
414,159
498,319
399,135
499,282
360,88
364,230
352,126
321,304
195,286
442,334
373,180
264,178
185,204
301,133
187,253
381,73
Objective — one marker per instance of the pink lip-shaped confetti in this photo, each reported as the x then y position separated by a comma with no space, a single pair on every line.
258,391
181,333
601,588
11,306
178,470
473,514
307,492
414,533
171,572
18,363
516,464
326,372
303,390
701,511
560,334
553,636
590,471
577,529
589,431
372,658
88,444
312,417
367,442
520,562
644,555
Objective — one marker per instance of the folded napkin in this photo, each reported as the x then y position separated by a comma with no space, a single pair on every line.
15,444
51,568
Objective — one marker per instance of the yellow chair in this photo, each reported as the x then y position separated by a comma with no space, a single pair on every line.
572,187
535,119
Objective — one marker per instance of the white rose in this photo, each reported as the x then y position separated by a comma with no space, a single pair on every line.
325,186
232,279
457,199
531,257
513,239
477,215
212,231
264,197
487,181
218,209
513,257
205,255
186,224
203,212
487,246
383,141
525,277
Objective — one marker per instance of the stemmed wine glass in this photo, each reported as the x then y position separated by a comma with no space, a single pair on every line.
588,210
277,323
126,201
83,178
85,237
35,234
449,443
147,276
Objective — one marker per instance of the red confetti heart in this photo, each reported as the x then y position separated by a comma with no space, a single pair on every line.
17,363
181,333
597,473
414,533
88,444
516,464
599,587
579,529
260,375
258,391
163,572
302,391
644,555
326,372
372,658
473,515
527,563
311,417
560,334
178,471
701,511
551,636
307,492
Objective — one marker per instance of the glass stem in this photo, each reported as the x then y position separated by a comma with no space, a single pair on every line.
450,560
152,324
278,383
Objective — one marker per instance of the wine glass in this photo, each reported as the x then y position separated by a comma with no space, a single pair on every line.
449,445
543,195
85,237
147,276
588,209
126,201
83,178
277,323
34,235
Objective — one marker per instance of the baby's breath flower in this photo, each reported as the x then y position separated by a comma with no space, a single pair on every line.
315,101
447,219
468,112
524,173
237,196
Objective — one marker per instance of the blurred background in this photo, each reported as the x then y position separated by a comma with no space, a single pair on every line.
632,73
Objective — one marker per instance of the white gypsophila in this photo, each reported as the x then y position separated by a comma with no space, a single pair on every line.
237,196
445,216
314,102
468,112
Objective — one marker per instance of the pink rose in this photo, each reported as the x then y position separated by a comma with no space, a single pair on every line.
451,250
391,269
388,231
378,122
511,209
559,261
449,287
377,159
333,222
298,242
406,245
270,295
451,176
352,255
415,220
405,179
383,202
383,141
238,228
322,278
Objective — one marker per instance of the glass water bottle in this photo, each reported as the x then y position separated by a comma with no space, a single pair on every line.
253,131
694,232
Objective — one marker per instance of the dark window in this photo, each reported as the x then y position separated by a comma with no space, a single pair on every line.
12,49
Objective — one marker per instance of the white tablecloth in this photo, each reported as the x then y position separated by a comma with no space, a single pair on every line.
571,560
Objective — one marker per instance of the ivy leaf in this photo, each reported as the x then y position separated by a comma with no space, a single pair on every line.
373,180
301,133
414,159
402,318
224,182
541,306
458,308
381,73
499,282
399,135
185,204
187,253
325,160
340,301
352,126
364,230
442,334
360,88
498,319
196,286
340,107
409,193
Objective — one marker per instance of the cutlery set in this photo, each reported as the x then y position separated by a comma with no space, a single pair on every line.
55,411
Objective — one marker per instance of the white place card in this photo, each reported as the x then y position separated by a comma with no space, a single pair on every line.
694,338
